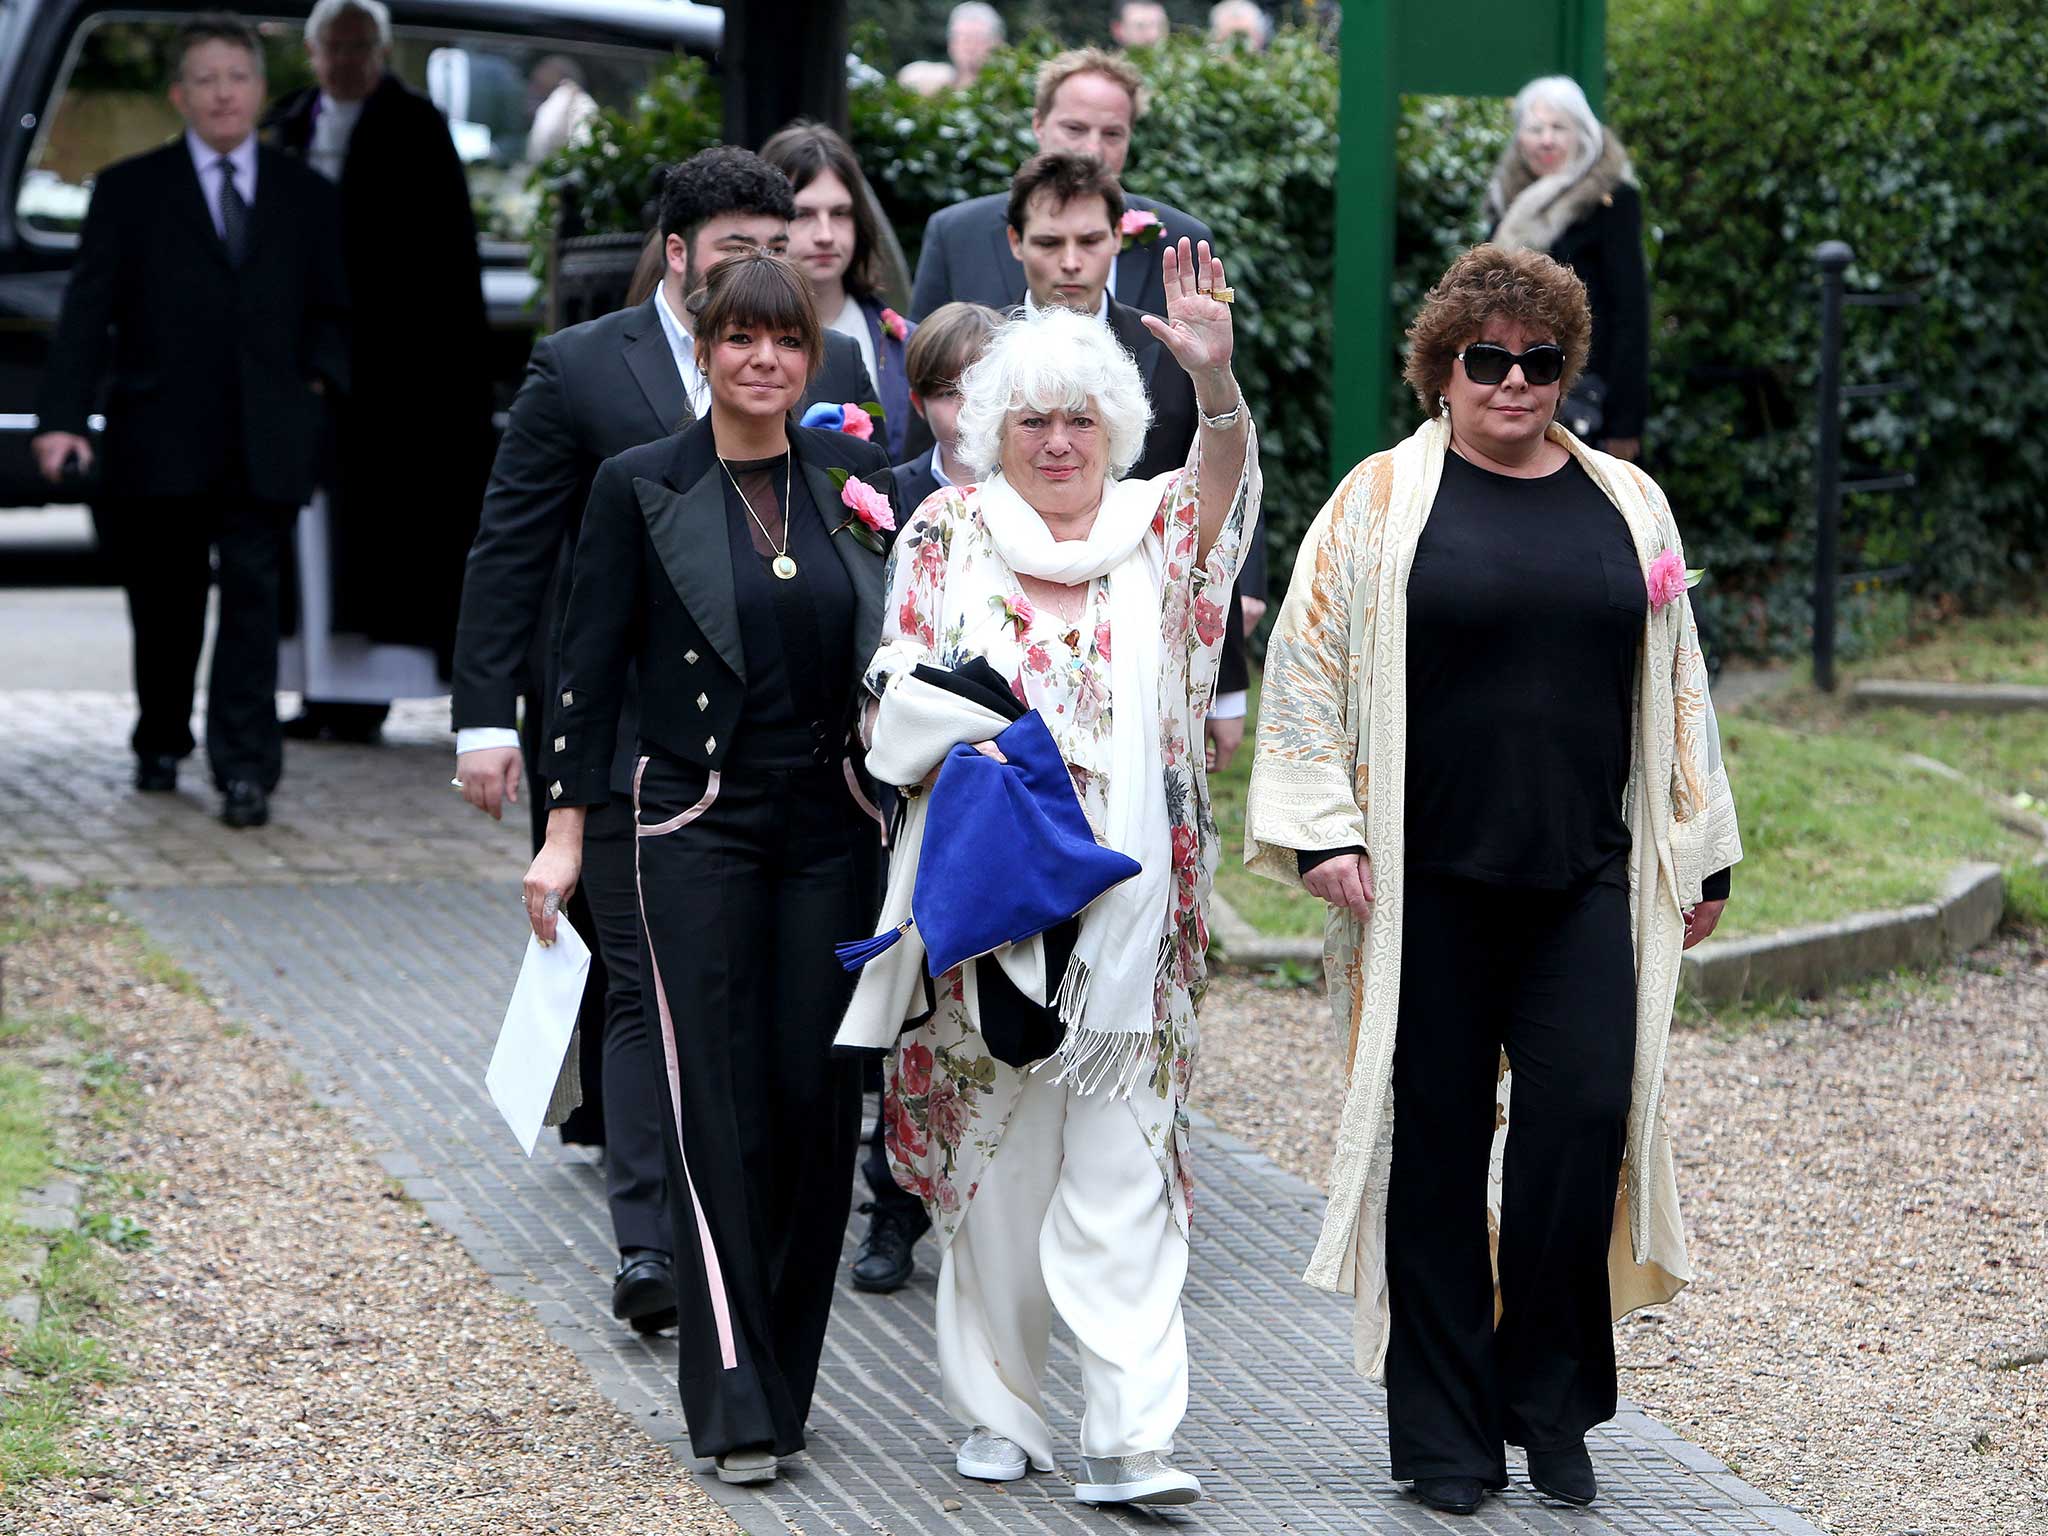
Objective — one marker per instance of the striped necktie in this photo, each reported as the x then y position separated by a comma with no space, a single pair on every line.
234,214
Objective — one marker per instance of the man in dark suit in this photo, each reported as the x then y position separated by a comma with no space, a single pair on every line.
591,392
208,295
1062,215
1087,103
419,353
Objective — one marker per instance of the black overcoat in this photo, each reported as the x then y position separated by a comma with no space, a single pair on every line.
412,443
206,371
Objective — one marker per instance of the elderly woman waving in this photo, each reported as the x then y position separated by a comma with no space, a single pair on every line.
1102,602
1486,740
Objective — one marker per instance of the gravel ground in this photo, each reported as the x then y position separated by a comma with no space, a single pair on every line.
1866,1195
302,1351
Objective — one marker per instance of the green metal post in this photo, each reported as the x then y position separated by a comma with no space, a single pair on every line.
1368,112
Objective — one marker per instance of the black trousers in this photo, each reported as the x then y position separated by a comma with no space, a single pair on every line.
1548,977
635,1155
164,549
748,880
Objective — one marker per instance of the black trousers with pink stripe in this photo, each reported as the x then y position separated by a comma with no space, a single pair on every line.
747,879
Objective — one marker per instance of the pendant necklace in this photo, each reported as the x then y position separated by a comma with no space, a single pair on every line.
782,565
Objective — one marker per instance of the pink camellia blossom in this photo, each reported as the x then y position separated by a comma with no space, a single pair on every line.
868,504
1665,579
1136,221
856,422
894,325
1017,611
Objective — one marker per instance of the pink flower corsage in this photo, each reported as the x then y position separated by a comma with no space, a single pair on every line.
1666,579
871,514
856,422
1017,612
1139,226
868,504
894,326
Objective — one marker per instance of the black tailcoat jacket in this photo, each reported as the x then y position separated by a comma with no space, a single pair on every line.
206,369
591,392
654,588
402,517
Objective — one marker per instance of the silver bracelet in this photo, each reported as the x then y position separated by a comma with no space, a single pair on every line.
1225,421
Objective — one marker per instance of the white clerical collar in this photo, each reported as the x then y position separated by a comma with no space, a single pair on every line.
1102,313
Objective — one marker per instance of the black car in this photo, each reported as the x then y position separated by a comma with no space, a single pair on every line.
82,84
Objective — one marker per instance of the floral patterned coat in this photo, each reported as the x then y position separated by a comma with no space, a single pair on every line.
952,597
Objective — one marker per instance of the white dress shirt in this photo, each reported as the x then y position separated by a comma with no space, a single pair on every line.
204,160
695,385
852,321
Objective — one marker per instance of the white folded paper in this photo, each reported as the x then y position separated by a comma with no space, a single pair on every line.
535,1035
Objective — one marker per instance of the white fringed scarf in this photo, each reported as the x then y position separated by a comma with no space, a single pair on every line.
1105,999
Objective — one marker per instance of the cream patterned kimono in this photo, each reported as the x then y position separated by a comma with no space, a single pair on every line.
952,598
1332,756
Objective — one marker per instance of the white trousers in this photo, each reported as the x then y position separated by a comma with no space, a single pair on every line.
1071,1215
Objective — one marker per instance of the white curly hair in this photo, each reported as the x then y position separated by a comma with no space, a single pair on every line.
1052,359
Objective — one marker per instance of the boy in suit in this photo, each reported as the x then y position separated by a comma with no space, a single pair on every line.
208,299
940,350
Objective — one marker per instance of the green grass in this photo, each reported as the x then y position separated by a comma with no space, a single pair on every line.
59,1359
1834,823
2006,647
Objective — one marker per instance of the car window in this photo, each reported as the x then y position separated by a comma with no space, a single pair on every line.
510,102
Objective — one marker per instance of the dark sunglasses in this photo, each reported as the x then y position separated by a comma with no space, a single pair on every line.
1487,363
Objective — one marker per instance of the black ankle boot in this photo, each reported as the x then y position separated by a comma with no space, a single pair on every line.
1564,1473
1451,1495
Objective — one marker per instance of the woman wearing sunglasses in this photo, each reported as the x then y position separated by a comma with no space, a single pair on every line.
1486,742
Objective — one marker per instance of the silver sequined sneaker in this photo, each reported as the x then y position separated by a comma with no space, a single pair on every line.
989,1457
1142,1479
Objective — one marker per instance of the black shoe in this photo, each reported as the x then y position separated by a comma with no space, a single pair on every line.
1452,1495
318,721
1564,1473
884,1262
244,804
156,773
644,1290
304,726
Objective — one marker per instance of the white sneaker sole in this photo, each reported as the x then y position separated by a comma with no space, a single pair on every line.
991,1471
745,1474
1160,1488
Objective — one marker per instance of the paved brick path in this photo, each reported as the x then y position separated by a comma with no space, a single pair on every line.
372,931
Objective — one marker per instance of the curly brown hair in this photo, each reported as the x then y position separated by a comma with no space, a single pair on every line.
1491,282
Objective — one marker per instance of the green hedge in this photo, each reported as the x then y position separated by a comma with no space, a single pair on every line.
1758,127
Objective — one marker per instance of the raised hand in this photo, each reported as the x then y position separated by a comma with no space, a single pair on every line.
1197,327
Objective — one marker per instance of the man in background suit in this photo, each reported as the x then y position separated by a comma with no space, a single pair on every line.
592,392
1087,103
1062,215
209,296
419,352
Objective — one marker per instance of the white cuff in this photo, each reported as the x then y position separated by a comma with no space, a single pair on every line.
481,738
1230,706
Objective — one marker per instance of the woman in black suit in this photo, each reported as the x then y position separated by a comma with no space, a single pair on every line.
737,568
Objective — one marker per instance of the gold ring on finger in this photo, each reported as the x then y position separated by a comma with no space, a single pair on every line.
1222,295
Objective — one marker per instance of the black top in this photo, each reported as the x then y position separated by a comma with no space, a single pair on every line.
1605,249
797,635
1525,612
